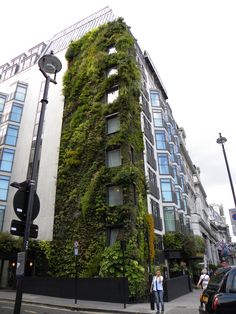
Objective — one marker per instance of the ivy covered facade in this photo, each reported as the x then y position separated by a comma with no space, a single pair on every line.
101,179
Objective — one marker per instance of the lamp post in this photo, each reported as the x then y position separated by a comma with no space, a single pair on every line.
48,64
221,140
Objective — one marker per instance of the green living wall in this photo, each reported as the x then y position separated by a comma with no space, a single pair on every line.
82,209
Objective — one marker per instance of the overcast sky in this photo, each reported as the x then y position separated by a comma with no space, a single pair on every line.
193,46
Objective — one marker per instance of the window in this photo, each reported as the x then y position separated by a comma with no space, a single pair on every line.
115,195
169,133
177,191
182,224
188,224
157,119
113,124
112,71
185,204
112,50
163,163
16,113
169,217
155,99
20,92
153,183
156,215
113,158
172,153
2,213
6,160
160,140
11,135
150,155
112,95
4,184
166,190
2,102
175,174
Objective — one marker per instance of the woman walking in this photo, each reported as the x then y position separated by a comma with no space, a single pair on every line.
203,280
157,288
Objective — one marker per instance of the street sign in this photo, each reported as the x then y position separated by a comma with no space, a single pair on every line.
76,248
20,266
20,203
18,228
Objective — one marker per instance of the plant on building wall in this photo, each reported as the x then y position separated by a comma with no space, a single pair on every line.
173,241
151,236
82,210
9,244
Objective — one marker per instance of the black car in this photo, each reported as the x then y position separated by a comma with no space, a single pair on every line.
220,295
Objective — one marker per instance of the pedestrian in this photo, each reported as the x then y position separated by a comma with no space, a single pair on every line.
157,289
203,280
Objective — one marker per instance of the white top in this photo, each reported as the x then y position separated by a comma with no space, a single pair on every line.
157,283
205,279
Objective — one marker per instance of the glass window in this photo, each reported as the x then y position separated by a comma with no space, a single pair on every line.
11,135
6,160
157,119
153,188
112,71
169,217
166,190
113,158
2,213
16,113
155,100
2,103
20,92
112,96
178,198
160,140
115,196
4,184
175,174
113,124
169,133
172,153
185,204
163,163
3,130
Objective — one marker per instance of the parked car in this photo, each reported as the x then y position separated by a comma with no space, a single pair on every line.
220,295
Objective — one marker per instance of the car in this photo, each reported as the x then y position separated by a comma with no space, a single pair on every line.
220,295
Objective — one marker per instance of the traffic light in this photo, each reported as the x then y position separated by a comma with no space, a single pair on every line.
20,205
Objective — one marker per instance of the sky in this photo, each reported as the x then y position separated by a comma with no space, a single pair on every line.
193,46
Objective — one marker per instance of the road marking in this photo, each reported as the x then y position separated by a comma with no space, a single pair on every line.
28,311
7,307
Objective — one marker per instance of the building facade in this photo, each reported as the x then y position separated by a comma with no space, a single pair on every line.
175,197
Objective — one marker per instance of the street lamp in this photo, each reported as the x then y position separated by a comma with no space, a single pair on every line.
48,64
221,140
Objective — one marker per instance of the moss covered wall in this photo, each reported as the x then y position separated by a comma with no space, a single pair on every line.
82,211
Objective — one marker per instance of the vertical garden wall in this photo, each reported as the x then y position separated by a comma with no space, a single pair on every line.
86,209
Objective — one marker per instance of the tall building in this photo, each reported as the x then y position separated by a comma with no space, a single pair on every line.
21,90
111,147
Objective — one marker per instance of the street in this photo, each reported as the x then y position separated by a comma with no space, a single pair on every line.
7,307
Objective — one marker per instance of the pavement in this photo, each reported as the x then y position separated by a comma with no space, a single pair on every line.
183,304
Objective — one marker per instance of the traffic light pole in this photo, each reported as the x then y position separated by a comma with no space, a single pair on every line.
32,191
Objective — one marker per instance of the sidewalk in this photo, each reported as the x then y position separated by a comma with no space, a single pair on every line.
188,301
